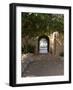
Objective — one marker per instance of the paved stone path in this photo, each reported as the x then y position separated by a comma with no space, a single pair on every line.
42,65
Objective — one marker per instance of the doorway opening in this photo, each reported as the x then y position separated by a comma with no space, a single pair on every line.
43,44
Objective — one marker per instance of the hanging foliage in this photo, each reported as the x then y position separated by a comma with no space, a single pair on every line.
35,24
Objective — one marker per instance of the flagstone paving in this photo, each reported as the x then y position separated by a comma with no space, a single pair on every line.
42,65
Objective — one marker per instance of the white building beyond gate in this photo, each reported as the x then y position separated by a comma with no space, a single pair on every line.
43,46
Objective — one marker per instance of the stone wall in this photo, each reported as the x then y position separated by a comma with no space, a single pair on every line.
56,46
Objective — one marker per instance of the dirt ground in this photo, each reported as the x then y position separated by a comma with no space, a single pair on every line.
41,65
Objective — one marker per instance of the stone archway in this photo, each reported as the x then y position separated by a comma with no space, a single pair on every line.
43,44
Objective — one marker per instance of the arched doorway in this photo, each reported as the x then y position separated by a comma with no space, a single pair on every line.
43,44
